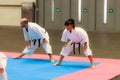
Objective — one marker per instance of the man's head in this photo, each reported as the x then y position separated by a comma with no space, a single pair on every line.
24,23
70,24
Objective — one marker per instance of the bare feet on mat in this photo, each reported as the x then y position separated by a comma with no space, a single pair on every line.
56,64
92,66
17,57
51,60
20,56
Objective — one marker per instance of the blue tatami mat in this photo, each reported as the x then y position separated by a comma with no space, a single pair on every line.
37,69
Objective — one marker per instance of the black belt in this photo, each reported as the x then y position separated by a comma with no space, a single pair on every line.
74,47
38,42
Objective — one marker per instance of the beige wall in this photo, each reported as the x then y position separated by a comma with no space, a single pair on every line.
10,12
14,2
10,16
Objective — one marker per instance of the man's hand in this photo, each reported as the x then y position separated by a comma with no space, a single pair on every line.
29,42
64,44
85,46
45,41
71,43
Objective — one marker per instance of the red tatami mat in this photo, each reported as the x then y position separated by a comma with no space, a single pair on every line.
106,70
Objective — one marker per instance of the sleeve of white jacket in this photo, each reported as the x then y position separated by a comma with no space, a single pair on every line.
64,36
26,35
41,32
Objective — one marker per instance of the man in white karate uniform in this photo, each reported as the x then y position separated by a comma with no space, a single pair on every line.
3,62
35,35
77,36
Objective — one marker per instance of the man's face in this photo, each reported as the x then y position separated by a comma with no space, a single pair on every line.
23,25
69,27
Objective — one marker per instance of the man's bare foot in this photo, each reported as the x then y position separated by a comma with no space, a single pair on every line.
92,66
56,64
51,60
20,56
17,57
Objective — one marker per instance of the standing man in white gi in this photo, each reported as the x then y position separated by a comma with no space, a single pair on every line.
35,35
3,62
75,35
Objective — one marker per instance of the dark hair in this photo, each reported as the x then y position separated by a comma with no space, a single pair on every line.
70,22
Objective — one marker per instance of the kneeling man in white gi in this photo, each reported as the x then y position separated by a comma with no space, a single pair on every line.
35,35
3,62
77,36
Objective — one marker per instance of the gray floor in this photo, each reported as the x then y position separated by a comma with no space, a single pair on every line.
103,45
